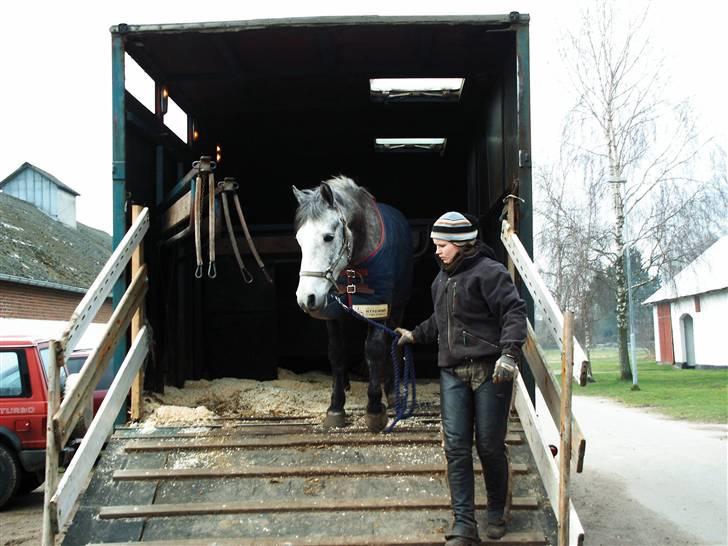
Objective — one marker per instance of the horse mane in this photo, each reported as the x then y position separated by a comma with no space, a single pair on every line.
347,196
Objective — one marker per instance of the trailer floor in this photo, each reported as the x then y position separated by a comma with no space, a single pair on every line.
287,481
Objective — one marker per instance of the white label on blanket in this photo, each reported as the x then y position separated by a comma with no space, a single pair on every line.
372,311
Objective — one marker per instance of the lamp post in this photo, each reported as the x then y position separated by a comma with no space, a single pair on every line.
617,183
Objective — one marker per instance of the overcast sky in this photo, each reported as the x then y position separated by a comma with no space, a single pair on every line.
55,69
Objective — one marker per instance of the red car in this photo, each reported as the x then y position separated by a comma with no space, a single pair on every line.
23,409
76,360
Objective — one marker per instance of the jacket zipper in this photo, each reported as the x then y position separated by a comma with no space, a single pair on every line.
450,310
454,287
449,313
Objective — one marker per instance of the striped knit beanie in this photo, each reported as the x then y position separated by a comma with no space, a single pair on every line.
455,227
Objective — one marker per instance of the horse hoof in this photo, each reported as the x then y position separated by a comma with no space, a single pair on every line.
376,421
335,419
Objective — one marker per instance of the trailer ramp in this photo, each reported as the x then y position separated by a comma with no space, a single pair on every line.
286,481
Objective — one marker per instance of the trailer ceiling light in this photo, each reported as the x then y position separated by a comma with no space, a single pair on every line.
410,144
416,89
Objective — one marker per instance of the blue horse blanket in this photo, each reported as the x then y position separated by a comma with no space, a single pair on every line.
382,278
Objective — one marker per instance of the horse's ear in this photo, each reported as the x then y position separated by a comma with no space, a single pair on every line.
298,194
327,194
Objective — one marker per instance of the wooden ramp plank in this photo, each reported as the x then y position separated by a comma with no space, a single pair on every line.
305,471
295,440
216,431
299,505
528,538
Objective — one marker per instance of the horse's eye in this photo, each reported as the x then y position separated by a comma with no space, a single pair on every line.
328,238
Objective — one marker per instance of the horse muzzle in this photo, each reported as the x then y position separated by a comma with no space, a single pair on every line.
315,305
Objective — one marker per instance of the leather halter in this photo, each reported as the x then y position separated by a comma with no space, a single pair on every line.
344,251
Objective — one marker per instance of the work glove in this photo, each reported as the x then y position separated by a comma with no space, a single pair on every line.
506,369
405,336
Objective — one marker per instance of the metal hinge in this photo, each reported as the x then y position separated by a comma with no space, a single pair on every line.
524,158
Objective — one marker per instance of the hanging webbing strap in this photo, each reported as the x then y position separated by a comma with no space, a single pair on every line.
211,271
250,239
229,185
204,174
197,220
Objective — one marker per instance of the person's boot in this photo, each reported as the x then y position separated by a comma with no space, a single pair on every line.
496,528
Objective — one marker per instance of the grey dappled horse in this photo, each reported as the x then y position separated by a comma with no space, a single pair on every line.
347,238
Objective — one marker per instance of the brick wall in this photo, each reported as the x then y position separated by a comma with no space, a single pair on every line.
24,301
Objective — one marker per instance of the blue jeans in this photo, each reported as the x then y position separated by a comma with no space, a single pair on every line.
484,409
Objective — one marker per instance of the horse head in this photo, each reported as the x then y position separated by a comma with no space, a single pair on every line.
326,240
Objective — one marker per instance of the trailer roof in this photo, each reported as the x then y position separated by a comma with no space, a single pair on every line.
358,20
310,76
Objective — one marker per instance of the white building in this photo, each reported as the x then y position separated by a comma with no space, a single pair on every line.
44,190
691,312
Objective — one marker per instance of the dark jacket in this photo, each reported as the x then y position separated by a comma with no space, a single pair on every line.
477,311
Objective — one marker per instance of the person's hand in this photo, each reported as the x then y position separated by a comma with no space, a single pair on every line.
506,369
405,336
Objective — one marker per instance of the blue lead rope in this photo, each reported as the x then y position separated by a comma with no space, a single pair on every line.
401,385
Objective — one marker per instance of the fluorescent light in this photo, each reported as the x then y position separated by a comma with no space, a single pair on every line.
415,89
415,84
410,144
410,141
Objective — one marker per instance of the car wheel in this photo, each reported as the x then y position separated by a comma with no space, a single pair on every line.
9,475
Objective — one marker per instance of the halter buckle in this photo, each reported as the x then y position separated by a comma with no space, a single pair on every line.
350,276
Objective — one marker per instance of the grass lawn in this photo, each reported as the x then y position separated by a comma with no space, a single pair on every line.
693,395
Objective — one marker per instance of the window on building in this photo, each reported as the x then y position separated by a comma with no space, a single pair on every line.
697,303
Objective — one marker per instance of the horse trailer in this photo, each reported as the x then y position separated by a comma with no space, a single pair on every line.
293,102
429,114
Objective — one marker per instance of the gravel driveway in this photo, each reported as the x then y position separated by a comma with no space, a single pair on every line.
650,480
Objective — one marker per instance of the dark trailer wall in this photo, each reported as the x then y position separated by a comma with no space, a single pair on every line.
288,102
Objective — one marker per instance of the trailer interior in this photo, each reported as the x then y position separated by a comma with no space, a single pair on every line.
294,102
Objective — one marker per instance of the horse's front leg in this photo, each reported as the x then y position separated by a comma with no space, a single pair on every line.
375,352
336,415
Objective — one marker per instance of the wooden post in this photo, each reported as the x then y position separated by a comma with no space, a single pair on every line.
52,448
567,364
137,321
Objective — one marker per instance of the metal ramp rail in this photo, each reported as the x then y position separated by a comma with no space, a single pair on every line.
61,495
574,366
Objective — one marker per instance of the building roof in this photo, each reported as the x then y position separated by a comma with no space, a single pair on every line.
37,250
48,175
708,272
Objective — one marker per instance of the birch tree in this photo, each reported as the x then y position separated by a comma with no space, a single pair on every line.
572,239
647,146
